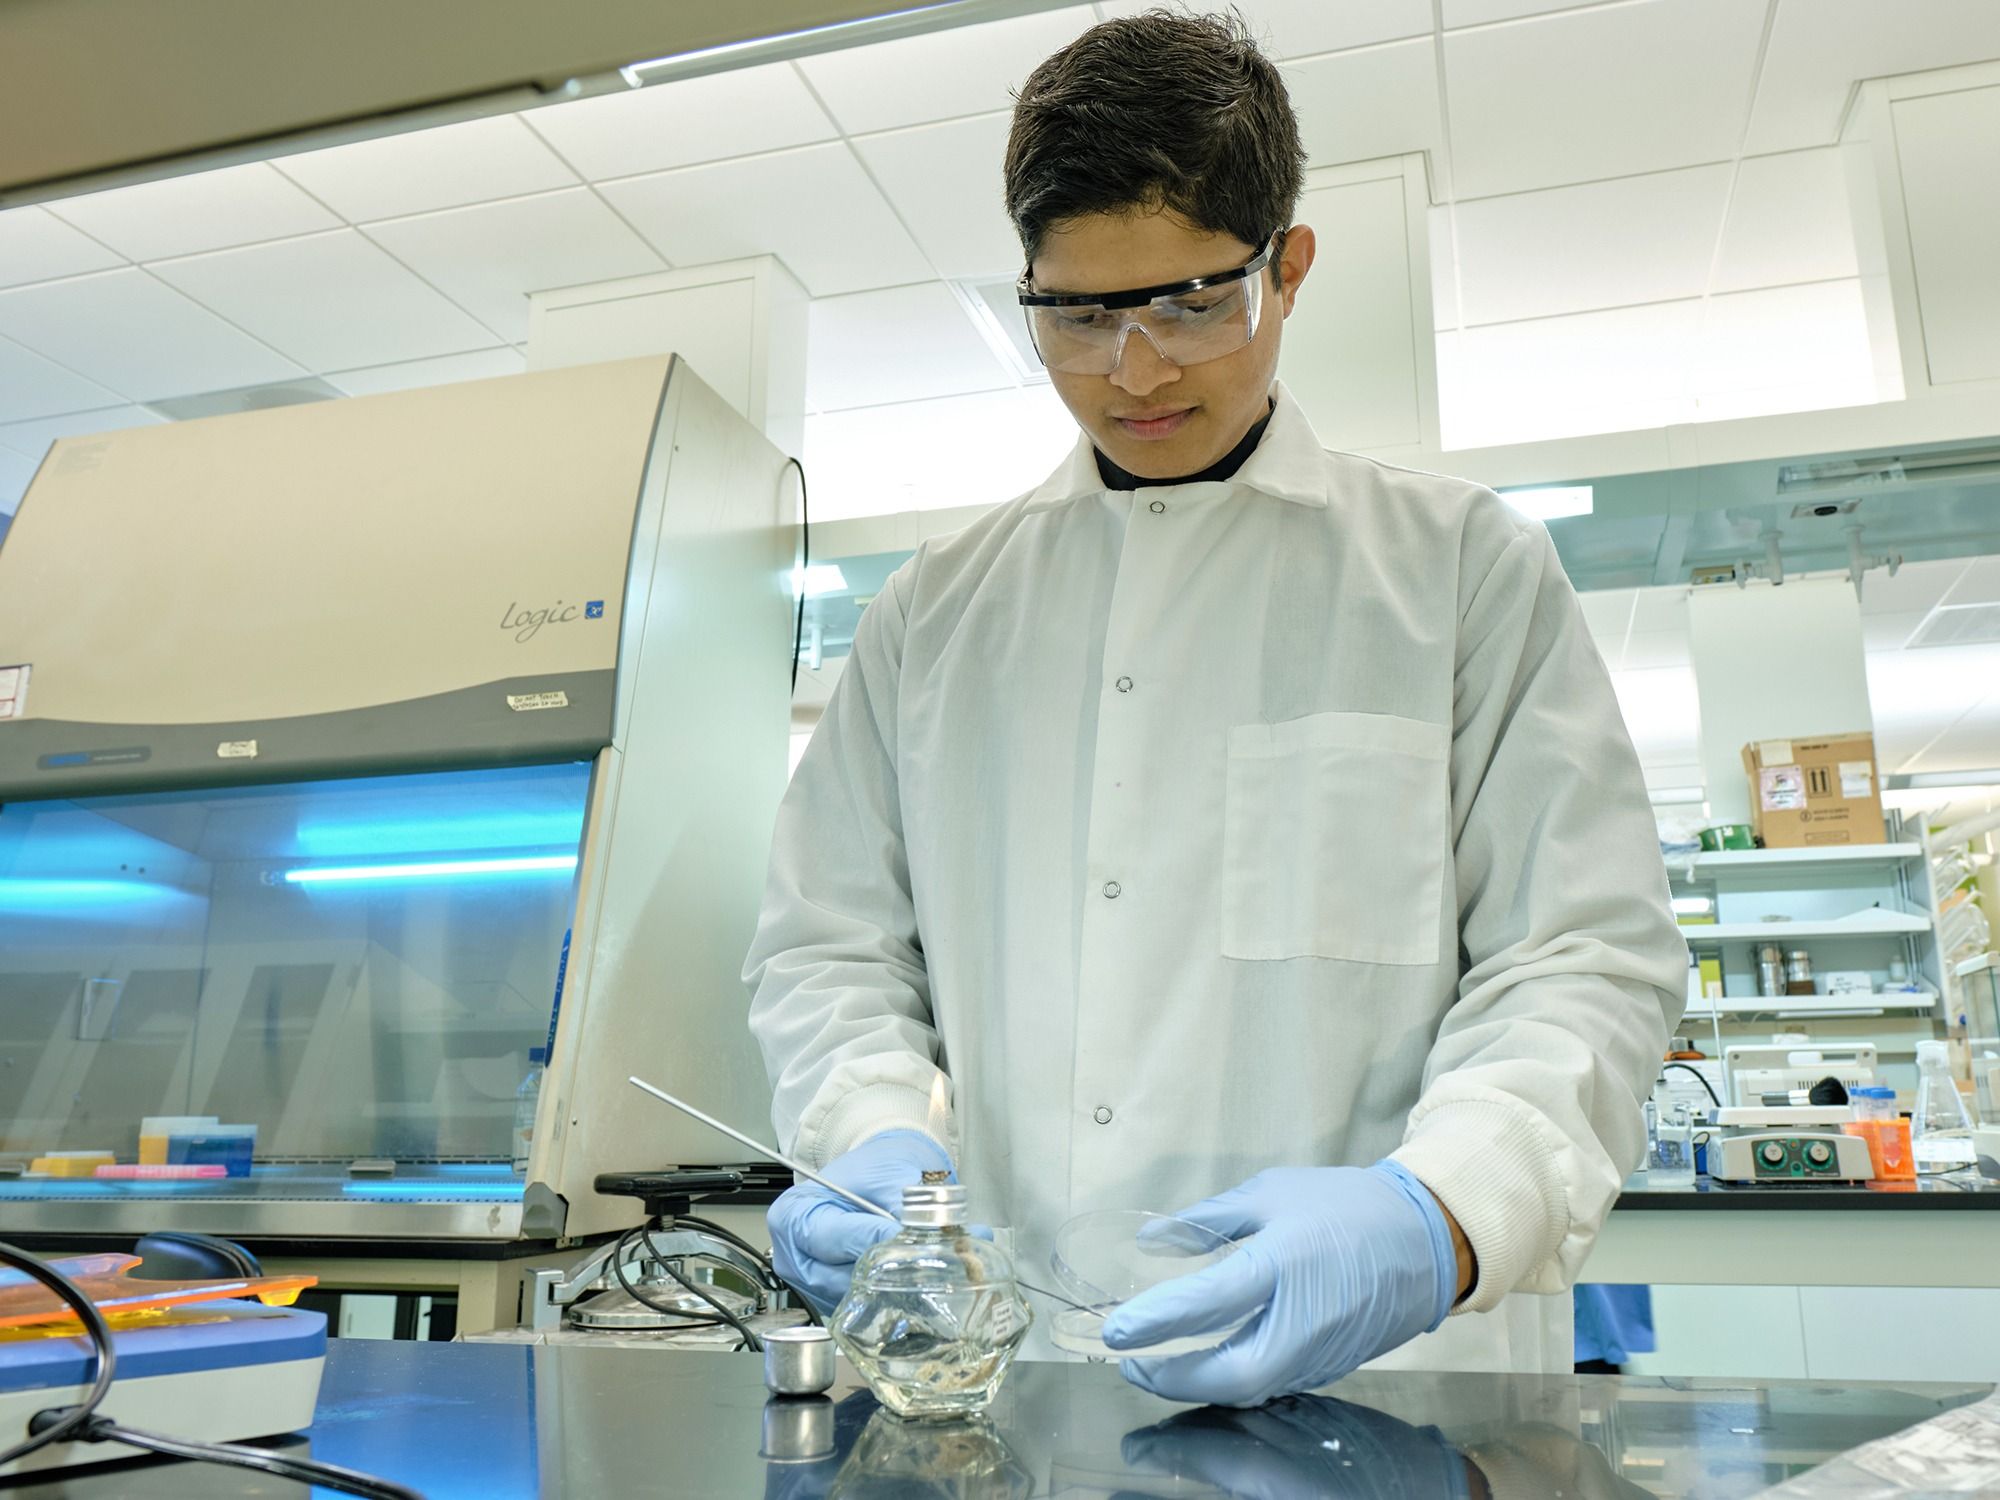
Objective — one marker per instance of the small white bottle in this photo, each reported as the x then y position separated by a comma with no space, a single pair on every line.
1941,1127
527,1098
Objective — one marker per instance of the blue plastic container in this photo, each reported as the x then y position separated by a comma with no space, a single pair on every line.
232,1147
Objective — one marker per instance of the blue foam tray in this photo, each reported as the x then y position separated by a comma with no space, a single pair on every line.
242,1333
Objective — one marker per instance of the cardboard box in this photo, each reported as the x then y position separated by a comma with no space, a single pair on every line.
1809,793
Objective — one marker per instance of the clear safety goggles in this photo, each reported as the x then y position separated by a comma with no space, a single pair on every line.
1186,322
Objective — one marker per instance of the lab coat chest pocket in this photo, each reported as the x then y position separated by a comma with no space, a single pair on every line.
1334,839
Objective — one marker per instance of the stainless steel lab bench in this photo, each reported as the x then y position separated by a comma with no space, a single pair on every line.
505,1421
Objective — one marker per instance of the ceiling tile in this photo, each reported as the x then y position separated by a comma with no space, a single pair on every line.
442,167
1605,244
1979,584
740,113
1443,269
331,301
32,439
1660,610
199,211
1355,106
31,386
1916,695
15,472
1973,743
1485,12
903,344
1444,278
1646,649
139,338
1300,28
1820,48
940,75
1588,94
1916,587
37,246
945,182
1788,222
1888,632
1662,712
488,257
446,369
1607,612
813,208
1611,371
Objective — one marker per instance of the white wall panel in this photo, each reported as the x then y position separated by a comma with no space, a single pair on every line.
1350,353
1948,145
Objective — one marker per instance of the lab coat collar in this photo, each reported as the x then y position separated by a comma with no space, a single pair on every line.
1289,464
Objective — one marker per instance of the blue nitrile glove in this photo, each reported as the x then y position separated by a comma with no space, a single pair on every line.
1345,1263
817,1236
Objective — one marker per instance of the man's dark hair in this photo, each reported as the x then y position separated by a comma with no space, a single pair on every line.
1164,110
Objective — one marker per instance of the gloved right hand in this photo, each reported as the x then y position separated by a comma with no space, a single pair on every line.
817,1236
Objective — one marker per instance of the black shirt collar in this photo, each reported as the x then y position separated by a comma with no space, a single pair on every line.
1224,467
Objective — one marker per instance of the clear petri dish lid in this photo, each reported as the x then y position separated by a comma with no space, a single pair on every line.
1109,1256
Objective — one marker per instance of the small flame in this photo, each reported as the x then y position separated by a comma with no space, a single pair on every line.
940,1110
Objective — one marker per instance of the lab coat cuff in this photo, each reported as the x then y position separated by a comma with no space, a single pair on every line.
869,1111
1487,1162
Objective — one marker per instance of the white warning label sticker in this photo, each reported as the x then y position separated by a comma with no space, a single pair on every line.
1782,789
13,692
523,703
236,750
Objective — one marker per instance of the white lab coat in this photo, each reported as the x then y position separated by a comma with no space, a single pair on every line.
1287,820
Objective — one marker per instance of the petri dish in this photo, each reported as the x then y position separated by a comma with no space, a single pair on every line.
1109,1256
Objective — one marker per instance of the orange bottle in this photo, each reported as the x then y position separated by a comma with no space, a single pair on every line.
1886,1132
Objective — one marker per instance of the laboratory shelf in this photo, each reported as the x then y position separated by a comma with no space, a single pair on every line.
1872,924
1848,856
1961,1190
1818,1007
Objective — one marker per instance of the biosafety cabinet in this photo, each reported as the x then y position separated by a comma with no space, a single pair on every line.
347,752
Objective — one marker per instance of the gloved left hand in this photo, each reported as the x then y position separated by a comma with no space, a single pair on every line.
1345,1262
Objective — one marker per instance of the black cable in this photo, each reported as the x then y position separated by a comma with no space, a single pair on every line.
776,1282
750,1340
82,1424
71,1421
1699,1078
773,1282
689,1319
310,1471
805,561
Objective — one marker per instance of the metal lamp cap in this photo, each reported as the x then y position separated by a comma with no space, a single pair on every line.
933,1205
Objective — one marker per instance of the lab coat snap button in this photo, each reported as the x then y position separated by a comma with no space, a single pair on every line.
1158,507
1111,889
1124,684
1103,1115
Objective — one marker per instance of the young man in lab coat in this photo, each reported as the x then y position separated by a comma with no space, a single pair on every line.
1227,819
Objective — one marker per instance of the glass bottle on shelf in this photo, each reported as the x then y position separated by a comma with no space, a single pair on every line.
1941,1127
933,1316
527,1099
